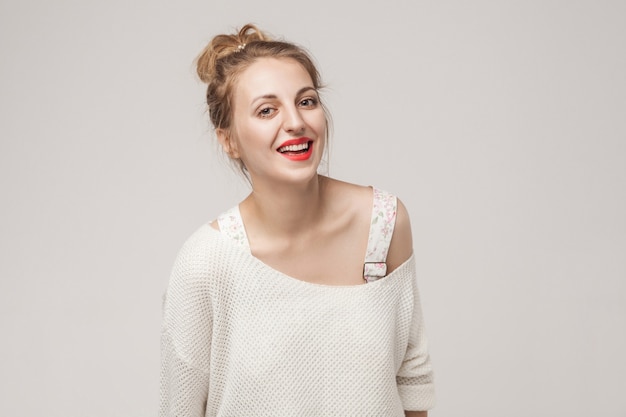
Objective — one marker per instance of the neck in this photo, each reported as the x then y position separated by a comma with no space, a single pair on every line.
285,209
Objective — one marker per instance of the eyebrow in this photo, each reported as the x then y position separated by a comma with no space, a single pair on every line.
273,96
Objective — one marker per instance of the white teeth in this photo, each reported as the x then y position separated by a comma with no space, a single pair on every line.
294,148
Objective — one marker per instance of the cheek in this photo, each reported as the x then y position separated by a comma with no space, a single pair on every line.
254,138
318,122
249,132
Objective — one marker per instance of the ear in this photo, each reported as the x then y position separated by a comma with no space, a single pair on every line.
229,145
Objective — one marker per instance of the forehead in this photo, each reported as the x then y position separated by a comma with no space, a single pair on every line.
272,76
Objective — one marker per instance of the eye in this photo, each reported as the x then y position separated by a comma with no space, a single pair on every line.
266,112
309,102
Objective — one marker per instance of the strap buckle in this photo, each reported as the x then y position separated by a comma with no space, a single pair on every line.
373,271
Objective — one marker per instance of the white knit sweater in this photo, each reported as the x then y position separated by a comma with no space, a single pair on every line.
242,339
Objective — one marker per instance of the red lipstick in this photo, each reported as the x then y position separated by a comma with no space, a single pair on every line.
299,149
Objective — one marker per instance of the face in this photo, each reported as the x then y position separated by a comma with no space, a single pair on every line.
278,125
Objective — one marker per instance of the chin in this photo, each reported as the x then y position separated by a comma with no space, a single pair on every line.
301,176
288,177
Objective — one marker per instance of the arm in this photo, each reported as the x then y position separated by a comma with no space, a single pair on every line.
415,378
186,335
401,246
416,413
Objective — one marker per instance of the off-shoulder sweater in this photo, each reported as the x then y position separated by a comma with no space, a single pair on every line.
240,338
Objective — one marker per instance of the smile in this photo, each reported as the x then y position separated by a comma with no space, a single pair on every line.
297,149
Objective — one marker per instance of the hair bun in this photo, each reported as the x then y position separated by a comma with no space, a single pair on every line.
224,45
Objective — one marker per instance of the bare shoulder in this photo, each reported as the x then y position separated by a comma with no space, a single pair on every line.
401,246
351,199
337,187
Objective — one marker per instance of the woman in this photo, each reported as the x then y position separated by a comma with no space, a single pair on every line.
301,300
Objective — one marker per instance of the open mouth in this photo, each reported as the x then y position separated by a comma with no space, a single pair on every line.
298,149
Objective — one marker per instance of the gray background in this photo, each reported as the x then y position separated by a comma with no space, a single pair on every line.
501,125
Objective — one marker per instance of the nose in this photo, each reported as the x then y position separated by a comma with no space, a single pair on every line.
293,121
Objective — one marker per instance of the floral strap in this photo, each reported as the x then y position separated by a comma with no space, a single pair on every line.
381,229
231,225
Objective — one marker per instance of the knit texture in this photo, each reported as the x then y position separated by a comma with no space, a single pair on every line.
240,338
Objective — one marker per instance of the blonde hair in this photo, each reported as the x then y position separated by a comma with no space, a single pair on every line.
226,56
